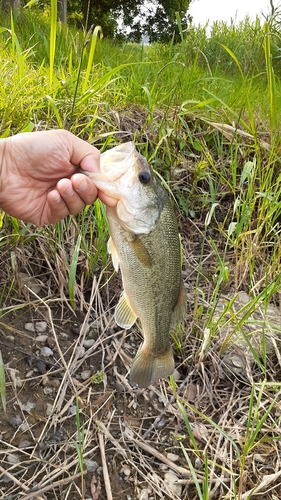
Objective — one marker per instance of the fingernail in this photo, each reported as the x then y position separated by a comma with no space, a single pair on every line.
82,186
57,199
69,191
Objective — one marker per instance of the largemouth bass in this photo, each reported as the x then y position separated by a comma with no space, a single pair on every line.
144,242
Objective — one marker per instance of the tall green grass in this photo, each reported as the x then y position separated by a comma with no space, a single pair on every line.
53,76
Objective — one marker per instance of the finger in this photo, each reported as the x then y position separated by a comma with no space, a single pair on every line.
88,191
85,188
56,208
70,197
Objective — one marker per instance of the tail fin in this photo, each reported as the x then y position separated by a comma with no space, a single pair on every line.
148,368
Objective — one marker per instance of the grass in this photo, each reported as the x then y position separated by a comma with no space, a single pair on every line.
206,115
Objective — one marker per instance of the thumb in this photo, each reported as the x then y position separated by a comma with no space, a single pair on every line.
82,153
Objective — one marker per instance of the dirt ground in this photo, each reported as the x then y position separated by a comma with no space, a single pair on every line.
74,426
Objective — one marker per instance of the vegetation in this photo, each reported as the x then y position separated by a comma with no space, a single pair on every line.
206,113
155,20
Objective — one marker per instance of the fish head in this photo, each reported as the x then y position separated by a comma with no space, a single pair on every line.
126,175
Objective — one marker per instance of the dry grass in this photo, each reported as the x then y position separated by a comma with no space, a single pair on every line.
215,429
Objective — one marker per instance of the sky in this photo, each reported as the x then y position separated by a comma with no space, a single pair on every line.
216,10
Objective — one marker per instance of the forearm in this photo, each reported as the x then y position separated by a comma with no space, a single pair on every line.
5,158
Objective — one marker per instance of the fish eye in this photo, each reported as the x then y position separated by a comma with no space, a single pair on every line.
144,177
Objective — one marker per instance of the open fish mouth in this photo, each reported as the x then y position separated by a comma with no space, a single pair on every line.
120,156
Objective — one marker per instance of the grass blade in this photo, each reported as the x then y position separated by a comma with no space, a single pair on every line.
2,383
270,77
97,32
72,272
53,35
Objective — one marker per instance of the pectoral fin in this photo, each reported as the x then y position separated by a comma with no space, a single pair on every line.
141,252
124,316
179,310
111,248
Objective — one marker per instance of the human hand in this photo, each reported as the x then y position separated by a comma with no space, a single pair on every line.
38,179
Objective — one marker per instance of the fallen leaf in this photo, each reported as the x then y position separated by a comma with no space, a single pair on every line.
95,488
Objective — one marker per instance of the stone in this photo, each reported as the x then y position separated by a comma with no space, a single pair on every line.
24,443
46,352
88,343
170,480
29,327
90,465
85,374
81,351
47,391
16,421
173,457
41,326
41,338
13,459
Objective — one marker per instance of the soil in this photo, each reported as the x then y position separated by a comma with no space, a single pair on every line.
75,428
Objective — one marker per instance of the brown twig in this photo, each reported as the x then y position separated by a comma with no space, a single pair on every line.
34,494
180,470
105,469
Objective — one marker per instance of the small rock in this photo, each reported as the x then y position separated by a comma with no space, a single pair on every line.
13,459
29,374
29,327
81,351
46,352
176,375
16,421
48,391
45,380
86,374
41,338
30,282
40,366
41,326
173,457
88,343
55,382
6,479
24,427
28,406
56,436
126,471
51,342
95,326
24,443
75,328
128,432
170,480
64,335
10,338
49,409
198,463
91,465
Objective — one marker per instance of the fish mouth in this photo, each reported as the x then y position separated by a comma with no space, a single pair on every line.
120,156
114,164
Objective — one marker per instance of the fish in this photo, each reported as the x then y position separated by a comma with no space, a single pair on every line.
144,243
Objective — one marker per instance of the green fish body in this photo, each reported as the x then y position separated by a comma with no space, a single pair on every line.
144,242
